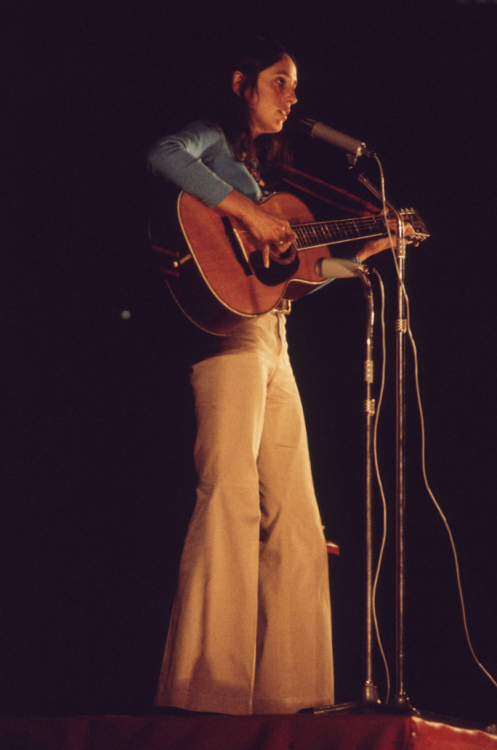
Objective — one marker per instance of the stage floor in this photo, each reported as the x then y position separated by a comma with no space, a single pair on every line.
211,732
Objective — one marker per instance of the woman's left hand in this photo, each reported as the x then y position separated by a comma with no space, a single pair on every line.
372,247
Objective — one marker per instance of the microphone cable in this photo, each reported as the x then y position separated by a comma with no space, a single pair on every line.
423,451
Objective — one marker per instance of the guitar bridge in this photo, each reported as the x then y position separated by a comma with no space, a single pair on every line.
237,246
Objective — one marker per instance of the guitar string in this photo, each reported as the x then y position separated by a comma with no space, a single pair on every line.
317,233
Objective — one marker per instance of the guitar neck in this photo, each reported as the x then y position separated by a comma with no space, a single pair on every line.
319,233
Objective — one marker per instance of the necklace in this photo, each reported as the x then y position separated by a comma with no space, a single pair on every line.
253,167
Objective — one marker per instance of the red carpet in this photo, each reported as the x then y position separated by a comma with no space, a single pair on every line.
296,732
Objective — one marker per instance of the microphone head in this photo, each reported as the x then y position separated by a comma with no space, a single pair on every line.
337,268
324,133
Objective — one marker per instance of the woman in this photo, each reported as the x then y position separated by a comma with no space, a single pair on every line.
250,630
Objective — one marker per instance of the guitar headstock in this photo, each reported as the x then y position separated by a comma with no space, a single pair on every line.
414,219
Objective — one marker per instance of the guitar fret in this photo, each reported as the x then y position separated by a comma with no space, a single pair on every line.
322,233
316,234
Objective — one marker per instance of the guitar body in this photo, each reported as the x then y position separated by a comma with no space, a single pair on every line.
215,272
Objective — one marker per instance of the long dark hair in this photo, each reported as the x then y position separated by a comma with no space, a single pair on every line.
231,111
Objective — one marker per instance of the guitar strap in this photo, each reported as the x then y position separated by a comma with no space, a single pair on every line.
328,193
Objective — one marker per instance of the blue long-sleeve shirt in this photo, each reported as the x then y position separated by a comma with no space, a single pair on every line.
199,160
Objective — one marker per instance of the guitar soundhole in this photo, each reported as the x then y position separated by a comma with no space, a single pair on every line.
284,259
277,272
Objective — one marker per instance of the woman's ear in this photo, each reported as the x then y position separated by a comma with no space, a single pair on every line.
236,82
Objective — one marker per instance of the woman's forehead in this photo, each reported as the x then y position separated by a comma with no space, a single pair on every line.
285,67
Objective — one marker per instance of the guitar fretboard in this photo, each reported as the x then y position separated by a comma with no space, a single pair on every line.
320,233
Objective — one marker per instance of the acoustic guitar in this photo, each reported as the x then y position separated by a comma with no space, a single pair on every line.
215,271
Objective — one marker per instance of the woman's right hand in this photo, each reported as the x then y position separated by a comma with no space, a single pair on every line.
269,231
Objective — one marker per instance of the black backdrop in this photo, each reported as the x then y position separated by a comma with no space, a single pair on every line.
99,426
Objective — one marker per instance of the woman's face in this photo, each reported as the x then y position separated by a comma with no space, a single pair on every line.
270,102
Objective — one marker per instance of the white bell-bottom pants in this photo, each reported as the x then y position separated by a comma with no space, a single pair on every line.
250,630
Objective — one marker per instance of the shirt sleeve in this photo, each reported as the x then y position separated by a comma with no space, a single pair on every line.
184,160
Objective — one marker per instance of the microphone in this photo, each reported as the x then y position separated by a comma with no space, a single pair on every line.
338,268
324,133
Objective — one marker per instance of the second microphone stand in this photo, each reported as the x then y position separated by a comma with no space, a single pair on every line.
339,268
400,701
369,692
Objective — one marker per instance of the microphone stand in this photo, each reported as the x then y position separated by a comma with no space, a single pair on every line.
370,691
400,701
339,268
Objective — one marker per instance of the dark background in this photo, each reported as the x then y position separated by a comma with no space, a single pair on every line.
98,421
